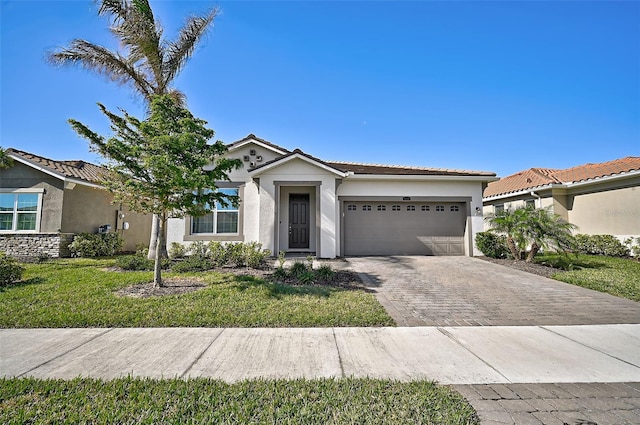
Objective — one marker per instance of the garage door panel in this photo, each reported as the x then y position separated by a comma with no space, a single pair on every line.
423,229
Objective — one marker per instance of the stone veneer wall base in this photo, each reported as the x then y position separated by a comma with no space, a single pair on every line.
34,245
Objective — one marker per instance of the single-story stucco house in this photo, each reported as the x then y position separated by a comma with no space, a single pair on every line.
44,203
602,198
294,202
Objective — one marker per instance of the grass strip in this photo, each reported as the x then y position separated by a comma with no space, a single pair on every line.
612,275
147,401
81,293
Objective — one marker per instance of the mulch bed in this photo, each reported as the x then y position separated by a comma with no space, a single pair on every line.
539,269
182,285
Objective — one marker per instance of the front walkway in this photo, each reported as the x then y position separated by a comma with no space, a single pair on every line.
463,291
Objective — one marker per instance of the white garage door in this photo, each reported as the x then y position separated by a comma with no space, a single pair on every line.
404,228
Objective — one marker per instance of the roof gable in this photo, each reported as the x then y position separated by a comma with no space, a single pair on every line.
296,154
251,138
79,171
538,177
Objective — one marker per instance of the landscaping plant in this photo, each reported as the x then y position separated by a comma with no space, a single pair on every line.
10,270
96,244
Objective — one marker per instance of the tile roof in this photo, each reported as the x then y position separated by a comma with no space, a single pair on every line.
360,168
536,177
379,169
80,170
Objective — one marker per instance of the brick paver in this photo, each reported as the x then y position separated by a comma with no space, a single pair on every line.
548,404
463,291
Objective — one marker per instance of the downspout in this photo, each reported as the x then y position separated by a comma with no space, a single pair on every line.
539,199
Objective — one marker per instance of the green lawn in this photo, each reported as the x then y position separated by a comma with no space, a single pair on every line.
615,276
146,401
80,293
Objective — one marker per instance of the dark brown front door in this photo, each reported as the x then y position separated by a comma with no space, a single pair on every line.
298,221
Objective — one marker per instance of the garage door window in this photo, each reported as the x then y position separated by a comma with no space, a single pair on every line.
351,207
411,207
396,208
425,208
440,208
366,208
382,207
455,208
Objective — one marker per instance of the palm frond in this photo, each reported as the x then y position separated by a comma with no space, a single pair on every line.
102,61
180,50
116,8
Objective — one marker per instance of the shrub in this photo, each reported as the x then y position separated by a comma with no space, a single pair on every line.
199,249
280,273
324,273
254,256
96,244
601,245
140,262
10,270
633,245
177,250
219,254
235,252
298,269
306,277
194,263
492,245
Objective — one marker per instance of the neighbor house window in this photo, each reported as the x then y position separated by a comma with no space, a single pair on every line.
497,209
222,220
530,203
19,211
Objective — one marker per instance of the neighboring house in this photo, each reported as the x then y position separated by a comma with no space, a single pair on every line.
601,198
44,203
293,202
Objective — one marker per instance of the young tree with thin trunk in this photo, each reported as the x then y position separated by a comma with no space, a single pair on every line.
162,165
146,61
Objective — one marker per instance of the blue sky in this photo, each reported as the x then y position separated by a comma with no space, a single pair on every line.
498,85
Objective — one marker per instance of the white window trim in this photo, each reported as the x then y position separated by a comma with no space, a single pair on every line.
15,191
215,212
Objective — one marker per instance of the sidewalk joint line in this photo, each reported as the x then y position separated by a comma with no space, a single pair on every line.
454,339
193,363
588,346
335,341
66,352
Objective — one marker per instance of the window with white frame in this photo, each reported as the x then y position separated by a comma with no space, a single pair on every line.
19,211
222,220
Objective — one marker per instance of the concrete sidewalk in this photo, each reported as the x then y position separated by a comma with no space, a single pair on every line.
449,355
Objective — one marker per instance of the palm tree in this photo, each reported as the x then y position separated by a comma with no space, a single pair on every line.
533,228
509,223
546,230
147,62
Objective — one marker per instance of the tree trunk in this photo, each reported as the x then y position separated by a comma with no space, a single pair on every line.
534,250
153,242
515,252
157,269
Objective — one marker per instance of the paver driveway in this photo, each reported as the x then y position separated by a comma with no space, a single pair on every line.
463,291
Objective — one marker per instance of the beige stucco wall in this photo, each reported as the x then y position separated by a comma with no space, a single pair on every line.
86,208
21,176
614,212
